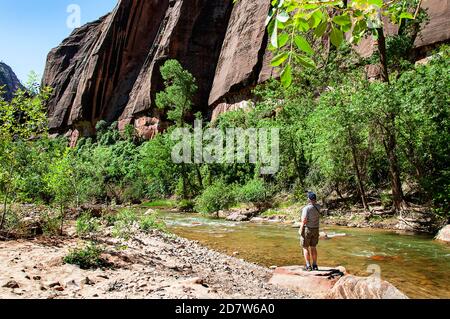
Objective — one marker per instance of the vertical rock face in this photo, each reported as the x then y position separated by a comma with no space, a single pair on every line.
438,28
192,32
109,69
9,81
94,70
243,50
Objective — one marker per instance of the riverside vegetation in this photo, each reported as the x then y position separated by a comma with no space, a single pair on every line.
339,135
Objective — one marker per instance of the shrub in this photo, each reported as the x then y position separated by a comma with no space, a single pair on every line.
110,218
87,225
216,197
51,225
186,205
150,222
255,191
87,257
124,222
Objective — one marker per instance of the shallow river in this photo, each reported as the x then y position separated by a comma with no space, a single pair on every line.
417,265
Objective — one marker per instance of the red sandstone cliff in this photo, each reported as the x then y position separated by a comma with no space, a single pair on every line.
109,69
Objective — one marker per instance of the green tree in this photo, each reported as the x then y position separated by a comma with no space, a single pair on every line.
341,131
62,183
176,99
21,120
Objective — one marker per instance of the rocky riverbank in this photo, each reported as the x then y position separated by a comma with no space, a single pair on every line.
154,265
416,220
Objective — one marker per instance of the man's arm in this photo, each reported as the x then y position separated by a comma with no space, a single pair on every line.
303,221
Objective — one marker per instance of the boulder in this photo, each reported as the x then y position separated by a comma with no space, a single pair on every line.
353,287
257,220
444,234
239,214
237,217
312,283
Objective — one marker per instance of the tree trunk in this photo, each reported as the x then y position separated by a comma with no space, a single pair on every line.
184,177
389,139
296,161
383,55
5,206
199,176
358,172
62,220
338,191
394,171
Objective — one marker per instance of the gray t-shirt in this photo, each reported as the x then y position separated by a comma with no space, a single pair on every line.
311,213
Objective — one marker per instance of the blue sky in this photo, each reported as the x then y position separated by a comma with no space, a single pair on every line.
29,29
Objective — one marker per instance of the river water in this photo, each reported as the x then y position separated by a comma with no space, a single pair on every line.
417,265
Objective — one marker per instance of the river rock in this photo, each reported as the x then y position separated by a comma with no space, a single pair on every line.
240,215
353,287
11,284
257,220
150,212
444,234
325,235
237,217
313,283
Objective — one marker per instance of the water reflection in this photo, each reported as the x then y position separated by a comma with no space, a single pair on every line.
417,265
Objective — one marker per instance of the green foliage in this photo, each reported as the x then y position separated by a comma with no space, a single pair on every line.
20,120
88,257
333,118
51,224
157,168
160,203
124,224
185,205
176,99
180,88
298,27
62,183
214,198
332,121
87,225
256,191
151,222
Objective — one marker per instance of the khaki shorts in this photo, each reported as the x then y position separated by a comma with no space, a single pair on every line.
310,237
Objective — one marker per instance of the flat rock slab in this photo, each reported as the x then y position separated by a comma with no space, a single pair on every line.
313,283
353,287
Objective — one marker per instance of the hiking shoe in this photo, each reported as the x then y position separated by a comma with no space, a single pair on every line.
315,267
307,268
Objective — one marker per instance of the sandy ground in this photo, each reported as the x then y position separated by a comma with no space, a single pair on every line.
153,266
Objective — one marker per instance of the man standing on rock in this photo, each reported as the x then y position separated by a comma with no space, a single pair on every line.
309,231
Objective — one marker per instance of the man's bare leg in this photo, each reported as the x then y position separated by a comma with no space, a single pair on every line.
307,256
314,255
